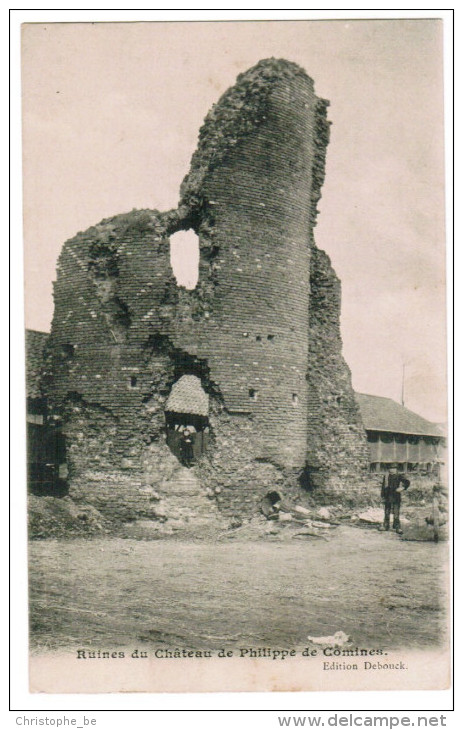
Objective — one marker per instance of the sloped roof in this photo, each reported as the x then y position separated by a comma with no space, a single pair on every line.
187,396
384,414
35,344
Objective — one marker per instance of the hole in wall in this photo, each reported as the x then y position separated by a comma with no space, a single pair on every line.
47,467
187,421
295,399
67,351
273,497
133,381
253,393
184,257
309,478
270,505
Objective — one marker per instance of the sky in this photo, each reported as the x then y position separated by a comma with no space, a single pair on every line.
111,113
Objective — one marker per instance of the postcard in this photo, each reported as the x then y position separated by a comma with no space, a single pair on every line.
236,356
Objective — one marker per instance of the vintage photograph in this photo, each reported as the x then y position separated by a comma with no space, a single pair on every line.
235,298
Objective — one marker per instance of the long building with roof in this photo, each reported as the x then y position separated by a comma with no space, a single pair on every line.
46,453
397,435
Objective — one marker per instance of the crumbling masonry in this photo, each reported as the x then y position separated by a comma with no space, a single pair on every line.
260,330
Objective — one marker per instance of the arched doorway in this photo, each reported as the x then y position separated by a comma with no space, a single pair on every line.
187,419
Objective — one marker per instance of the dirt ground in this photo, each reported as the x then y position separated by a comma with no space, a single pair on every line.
104,593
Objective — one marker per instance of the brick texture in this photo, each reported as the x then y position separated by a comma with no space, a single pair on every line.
260,330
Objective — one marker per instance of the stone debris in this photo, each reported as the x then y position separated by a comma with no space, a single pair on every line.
309,533
373,515
323,525
337,640
62,517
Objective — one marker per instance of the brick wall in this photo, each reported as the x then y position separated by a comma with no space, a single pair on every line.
261,329
257,206
337,448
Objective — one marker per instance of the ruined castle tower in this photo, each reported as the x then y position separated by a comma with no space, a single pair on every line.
133,357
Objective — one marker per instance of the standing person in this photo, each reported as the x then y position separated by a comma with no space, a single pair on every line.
392,487
187,446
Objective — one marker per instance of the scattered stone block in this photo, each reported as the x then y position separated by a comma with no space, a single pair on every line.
373,515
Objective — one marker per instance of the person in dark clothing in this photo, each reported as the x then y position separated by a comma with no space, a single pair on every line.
392,487
187,447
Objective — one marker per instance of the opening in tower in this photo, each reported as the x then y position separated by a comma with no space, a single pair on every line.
187,419
184,257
